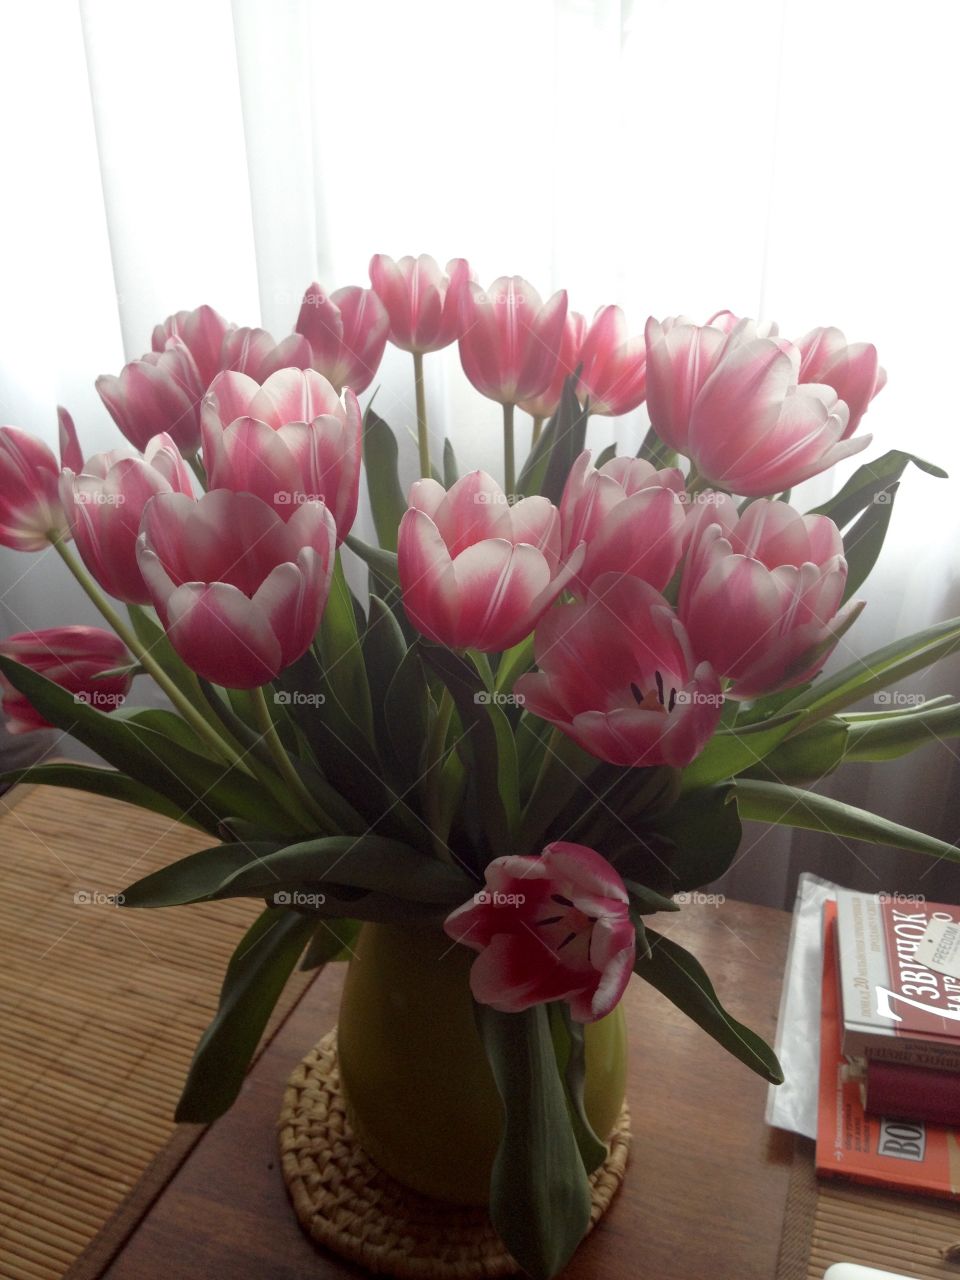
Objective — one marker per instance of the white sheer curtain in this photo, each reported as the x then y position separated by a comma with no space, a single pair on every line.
784,158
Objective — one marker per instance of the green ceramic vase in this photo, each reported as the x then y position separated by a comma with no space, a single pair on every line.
419,1093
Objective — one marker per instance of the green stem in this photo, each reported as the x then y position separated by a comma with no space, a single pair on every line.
284,764
197,722
434,770
509,464
423,440
196,466
537,428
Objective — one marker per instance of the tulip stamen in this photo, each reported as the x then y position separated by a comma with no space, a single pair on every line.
558,897
549,920
569,938
673,700
659,679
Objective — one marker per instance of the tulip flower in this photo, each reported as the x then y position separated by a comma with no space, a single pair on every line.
617,674
290,441
631,516
71,455
347,331
511,340
755,430
160,393
475,572
614,374
545,404
104,504
852,370
509,347
31,514
72,657
423,302
254,352
239,591
681,356
552,927
760,595
202,332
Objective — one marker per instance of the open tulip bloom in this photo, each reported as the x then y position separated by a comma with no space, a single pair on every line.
553,703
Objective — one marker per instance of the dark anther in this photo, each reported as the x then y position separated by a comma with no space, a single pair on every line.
558,897
635,690
659,679
569,938
673,700
549,920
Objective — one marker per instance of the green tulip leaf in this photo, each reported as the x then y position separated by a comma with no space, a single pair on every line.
681,978
254,979
381,462
794,807
539,1194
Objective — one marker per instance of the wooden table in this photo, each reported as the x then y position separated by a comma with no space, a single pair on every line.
704,1195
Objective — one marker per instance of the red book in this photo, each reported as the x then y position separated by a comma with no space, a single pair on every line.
917,1093
900,980
905,1155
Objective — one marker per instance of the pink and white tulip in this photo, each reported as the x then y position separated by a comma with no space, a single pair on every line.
422,301
254,352
631,516
72,657
239,591
289,441
614,374
760,594
477,573
545,404
553,927
681,356
618,675
755,430
159,393
510,340
71,455
104,504
202,332
851,369
31,513
347,331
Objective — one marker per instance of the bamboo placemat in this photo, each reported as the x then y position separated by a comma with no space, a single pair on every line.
829,1222
100,1010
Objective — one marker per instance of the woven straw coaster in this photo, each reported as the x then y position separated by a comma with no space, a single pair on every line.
345,1202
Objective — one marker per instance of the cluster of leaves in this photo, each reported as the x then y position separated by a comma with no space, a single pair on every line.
424,769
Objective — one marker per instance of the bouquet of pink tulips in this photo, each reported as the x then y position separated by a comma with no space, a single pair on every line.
557,700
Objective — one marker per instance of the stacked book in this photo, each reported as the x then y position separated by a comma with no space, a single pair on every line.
889,1105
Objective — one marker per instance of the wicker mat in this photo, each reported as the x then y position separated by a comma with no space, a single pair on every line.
100,1010
348,1205
831,1222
